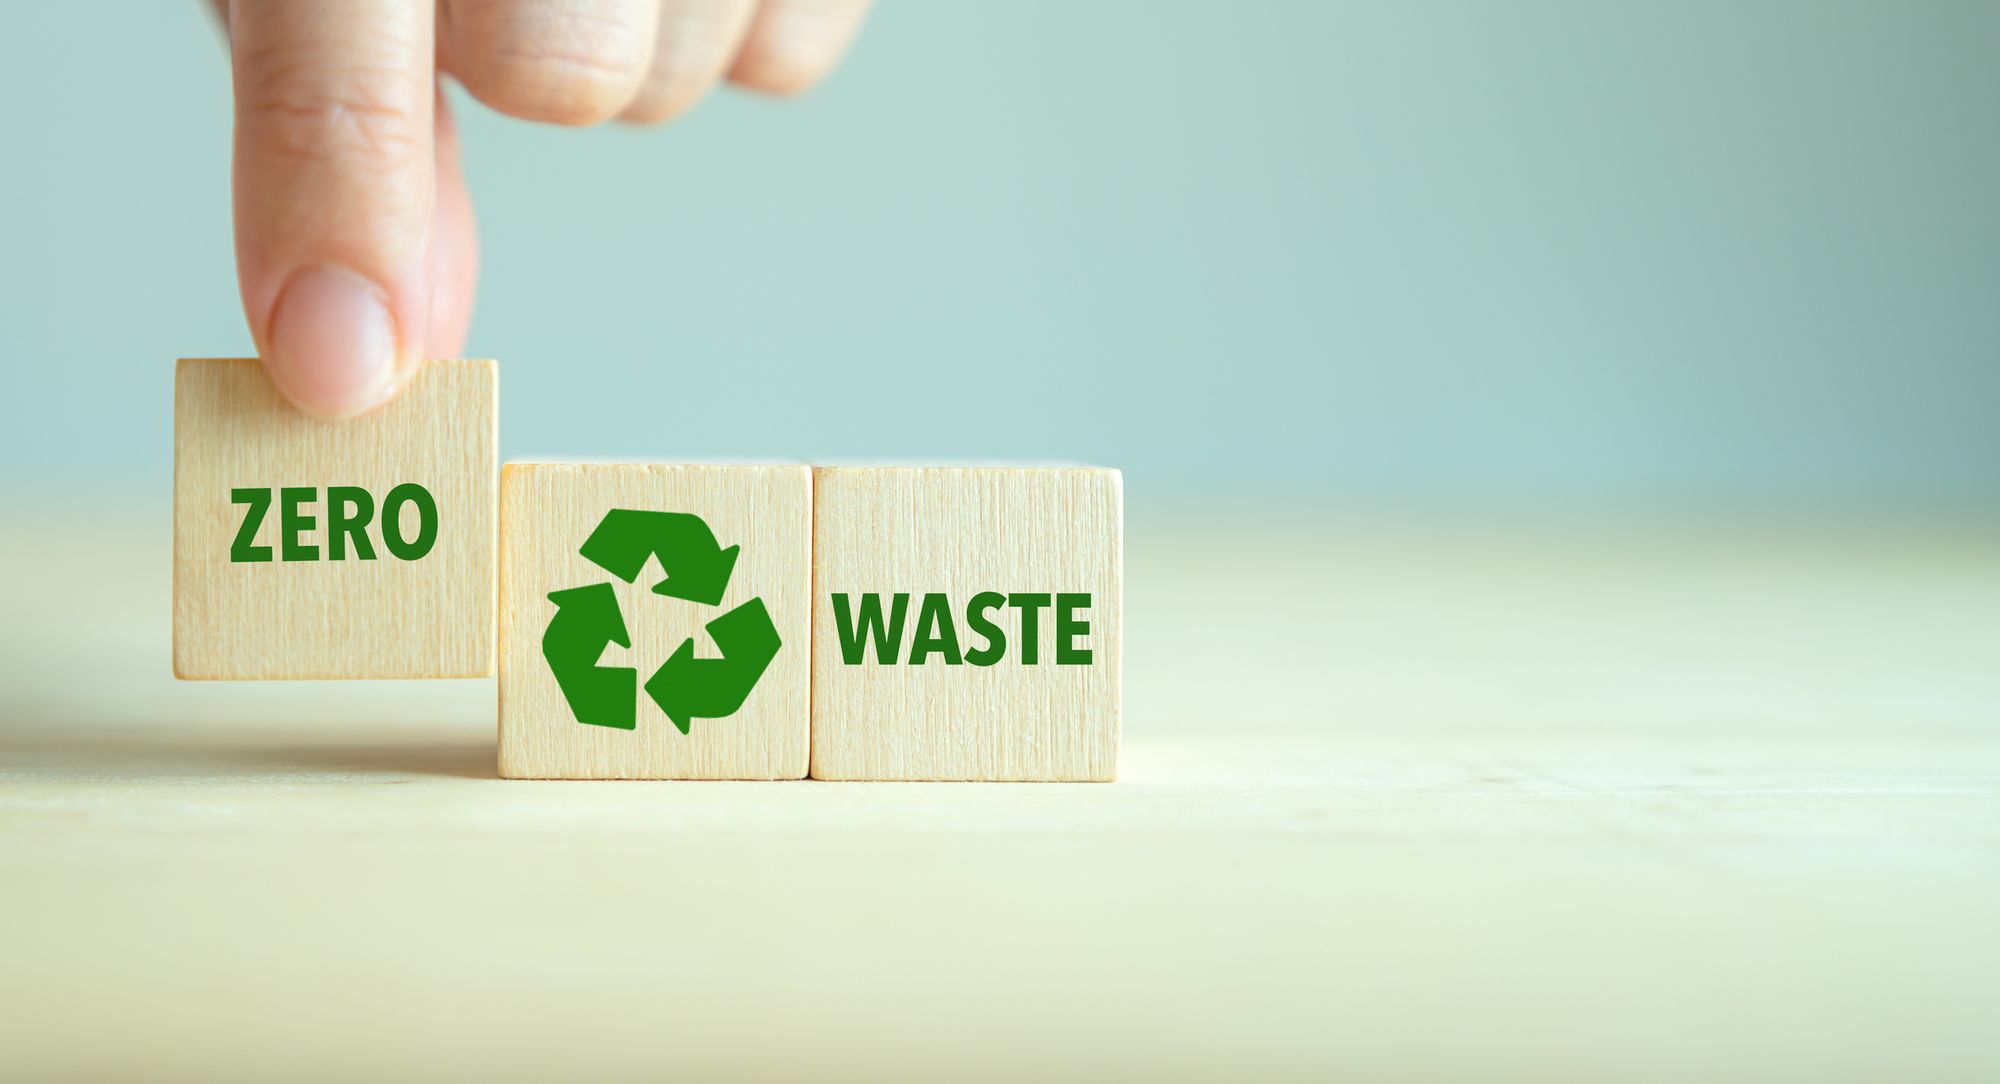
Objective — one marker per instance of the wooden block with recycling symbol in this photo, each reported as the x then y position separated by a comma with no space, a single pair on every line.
654,621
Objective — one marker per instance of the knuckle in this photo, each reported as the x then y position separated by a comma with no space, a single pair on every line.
775,76
660,101
559,89
375,114
582,72
780,68
794,46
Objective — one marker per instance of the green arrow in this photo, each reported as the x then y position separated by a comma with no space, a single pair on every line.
688,688
586,620
697,569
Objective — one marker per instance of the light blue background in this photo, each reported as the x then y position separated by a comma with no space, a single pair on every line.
1478,253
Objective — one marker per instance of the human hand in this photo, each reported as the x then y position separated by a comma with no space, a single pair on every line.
355,248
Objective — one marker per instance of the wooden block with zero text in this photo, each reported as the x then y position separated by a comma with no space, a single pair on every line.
966,623
361,548
654,621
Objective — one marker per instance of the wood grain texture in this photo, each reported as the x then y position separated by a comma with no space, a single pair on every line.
430,617
547,511
961,531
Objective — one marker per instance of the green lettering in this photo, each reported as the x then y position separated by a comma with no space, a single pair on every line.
1030,604
244,551
292,523
1068,627
392,521
854,634
935,633
340,526
977,620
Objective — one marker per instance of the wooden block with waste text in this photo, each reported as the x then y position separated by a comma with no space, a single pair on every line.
966,623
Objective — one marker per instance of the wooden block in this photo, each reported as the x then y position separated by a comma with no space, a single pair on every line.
970,558
371,554
721,645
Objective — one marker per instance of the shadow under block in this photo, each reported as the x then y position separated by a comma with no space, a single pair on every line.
372,554
549,511
972,558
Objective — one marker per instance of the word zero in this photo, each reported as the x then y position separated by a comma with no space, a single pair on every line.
349,510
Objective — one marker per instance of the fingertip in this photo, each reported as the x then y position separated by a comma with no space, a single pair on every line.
334,349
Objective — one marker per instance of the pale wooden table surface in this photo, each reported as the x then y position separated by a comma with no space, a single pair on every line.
1397,804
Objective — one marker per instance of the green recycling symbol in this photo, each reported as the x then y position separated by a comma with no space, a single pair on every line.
587,620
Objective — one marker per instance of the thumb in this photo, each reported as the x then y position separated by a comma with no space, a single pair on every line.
335,193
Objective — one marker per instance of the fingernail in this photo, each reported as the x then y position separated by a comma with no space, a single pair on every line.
333,343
